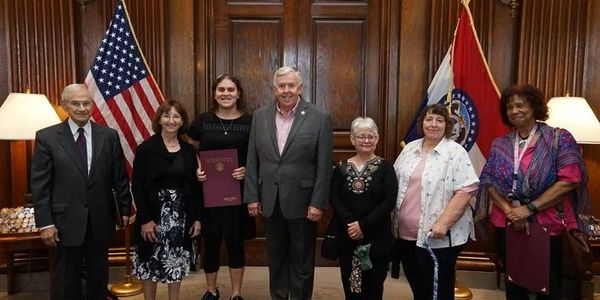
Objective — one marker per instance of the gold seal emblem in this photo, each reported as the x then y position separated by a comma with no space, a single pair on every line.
219,167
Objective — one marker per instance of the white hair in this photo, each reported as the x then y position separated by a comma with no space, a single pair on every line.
287,70
363,123
70,89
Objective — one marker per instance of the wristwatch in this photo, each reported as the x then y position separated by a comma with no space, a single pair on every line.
532,208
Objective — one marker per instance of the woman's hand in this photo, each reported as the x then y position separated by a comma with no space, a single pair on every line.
520,225
519,213
438,231
195,229
149,231
354,231
239,173
201,175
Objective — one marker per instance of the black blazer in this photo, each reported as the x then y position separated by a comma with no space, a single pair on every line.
151,156
65,195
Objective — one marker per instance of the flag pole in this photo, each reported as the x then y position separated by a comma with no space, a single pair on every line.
460,292
130,286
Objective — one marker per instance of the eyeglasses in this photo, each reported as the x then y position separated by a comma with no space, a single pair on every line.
77,104
168,117
362,138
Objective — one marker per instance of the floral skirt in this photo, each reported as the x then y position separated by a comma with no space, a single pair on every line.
169,261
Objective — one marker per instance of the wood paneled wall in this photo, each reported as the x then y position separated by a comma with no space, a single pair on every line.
553,39
358,57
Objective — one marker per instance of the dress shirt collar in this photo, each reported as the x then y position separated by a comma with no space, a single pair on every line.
289,113
439,148
73,126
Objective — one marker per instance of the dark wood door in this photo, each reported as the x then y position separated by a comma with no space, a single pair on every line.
334,44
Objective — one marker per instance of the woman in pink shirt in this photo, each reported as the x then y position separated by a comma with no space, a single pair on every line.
529,172
436,180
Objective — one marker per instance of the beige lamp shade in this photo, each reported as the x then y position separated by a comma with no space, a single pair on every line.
21,115
575,115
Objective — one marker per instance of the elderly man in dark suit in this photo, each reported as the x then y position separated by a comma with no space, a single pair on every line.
76,166
287,180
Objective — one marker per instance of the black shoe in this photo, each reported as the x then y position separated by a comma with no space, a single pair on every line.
210,296
238,297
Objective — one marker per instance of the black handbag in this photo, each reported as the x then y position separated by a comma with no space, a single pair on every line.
329,247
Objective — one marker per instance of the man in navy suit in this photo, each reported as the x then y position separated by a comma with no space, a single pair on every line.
75,168
288,174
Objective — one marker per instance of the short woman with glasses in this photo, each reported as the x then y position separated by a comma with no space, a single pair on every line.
226,126
168,200
436,180
363,193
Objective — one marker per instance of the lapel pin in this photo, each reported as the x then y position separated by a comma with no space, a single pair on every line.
302,113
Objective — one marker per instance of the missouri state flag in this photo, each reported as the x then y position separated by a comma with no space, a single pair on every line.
464,83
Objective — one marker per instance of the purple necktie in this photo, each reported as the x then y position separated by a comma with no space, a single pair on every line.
82,147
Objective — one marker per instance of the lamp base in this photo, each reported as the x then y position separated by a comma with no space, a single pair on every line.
462,292
129,287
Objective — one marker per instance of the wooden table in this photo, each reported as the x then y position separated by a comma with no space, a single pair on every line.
17,243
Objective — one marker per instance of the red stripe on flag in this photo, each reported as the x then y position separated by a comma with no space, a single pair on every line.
97,115
155,89
144,100
137,120
123,125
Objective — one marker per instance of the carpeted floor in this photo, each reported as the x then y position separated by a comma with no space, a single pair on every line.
327,286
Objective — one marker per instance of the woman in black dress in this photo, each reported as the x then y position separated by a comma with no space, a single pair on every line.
363,193
226,126
168,203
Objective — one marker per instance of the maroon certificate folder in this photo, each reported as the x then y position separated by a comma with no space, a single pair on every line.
528,258
220,188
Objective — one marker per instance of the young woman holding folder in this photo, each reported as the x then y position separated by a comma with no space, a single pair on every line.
226,126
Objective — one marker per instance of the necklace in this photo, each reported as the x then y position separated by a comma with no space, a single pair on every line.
226,130
171,145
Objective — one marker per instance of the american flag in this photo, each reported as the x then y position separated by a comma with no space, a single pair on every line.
125,93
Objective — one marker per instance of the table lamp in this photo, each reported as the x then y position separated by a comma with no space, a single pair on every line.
575,115
21,115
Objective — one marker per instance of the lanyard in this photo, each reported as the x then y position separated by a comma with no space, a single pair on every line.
519,156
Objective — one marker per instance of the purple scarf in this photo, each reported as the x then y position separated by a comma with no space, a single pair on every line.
548,158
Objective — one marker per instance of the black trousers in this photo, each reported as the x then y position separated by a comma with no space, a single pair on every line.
291,256
418,268
515,292
372,280
67,262
212,252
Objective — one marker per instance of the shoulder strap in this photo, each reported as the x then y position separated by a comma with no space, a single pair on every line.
560,211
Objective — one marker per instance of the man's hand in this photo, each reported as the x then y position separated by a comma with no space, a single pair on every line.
254,209
50,236
125,222
239,173
314,214
149,231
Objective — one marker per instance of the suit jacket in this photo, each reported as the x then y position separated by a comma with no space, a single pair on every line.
64,194
301,174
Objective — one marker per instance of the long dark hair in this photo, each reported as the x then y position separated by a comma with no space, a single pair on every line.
213,88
